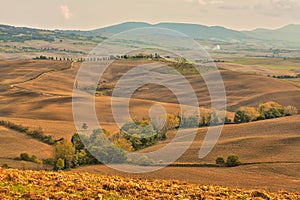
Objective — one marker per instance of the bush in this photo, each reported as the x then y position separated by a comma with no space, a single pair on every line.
33,158
48,161
60,164
241,117
220,161
290,110
5,166
144,161
140,135
108,154
25,157
232,161
191,121
270,110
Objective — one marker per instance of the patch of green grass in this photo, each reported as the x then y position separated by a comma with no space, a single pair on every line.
274,63
112,197
19,188
280,67
24,189
3,184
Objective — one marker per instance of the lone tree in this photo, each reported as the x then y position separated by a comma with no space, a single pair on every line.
232,161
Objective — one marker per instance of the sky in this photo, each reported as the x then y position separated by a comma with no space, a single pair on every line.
91,14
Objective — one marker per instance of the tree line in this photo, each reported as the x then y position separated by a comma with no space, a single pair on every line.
268,110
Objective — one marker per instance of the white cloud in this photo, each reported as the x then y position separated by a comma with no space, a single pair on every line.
285,4
66,12
279,8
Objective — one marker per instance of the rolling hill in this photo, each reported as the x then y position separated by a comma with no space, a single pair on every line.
192,30
287,35
269,149
43,99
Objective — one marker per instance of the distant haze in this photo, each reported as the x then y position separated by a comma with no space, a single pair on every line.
91,14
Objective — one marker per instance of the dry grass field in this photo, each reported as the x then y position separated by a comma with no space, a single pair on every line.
13,143
49,96
13,72
41,96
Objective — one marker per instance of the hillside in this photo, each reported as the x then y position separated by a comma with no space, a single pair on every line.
289,33
38,98
13,143
274,140
192,30
66,185
285,37
269,149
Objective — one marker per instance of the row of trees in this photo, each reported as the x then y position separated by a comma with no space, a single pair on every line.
266,110
36,133
286,76
41,57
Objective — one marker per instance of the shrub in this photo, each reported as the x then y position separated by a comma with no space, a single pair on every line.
220,161
33,158
109,154
144,161
270,110
191,121
290,110
251,112
241,117
232,161
48,161
25,157
5,166
60,164
140,134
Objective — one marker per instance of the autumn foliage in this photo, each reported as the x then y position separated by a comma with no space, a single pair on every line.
19,184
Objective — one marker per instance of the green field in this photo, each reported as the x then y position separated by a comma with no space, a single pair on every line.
274,63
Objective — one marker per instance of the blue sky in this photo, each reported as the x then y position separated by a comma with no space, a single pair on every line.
90,14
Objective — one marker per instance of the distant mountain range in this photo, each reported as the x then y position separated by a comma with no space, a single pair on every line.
288,35
192,30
